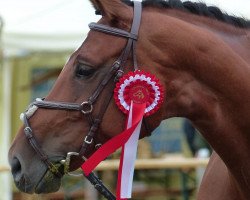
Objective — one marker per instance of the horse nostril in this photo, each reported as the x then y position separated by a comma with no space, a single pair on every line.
16,169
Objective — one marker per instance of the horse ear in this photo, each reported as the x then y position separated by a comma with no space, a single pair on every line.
113,9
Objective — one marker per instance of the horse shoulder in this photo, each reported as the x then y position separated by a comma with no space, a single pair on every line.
218,183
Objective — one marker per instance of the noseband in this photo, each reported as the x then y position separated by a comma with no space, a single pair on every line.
87,107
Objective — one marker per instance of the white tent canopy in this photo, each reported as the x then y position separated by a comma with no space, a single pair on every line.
62,24
56,25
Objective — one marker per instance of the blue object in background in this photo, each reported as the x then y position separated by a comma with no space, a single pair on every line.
167,138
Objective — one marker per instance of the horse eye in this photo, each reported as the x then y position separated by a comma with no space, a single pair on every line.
83,71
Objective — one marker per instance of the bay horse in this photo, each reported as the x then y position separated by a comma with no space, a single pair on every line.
201,56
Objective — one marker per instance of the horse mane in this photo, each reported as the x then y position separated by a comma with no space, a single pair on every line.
197,8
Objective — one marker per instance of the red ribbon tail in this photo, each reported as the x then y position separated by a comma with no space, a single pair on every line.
113,144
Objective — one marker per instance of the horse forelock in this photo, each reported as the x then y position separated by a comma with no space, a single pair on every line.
197,8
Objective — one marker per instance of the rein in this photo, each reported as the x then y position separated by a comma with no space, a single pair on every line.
86,107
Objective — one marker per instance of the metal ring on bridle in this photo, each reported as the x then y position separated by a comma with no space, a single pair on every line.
87,107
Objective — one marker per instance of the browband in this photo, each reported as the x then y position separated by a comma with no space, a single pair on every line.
133,34
111,31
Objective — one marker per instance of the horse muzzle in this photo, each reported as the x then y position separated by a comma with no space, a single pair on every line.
36,178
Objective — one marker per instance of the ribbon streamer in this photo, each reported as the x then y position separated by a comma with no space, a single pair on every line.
137,94
128,157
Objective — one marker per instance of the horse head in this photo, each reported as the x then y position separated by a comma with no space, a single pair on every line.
59,131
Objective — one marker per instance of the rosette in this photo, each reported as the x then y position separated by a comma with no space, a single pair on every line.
139,87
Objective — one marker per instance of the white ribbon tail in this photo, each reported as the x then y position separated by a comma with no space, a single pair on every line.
129,157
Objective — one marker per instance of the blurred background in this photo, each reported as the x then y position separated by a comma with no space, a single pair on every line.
36,39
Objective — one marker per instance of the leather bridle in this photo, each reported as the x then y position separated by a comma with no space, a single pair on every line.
87,107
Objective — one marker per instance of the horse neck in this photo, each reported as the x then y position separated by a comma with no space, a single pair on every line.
237,38
216,54
219,70
207,82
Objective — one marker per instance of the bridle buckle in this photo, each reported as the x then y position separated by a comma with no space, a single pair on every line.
88,139
66,163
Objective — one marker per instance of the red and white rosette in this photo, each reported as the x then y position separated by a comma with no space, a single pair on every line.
140,90
139,87
137,94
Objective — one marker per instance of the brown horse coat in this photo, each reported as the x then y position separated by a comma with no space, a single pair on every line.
205,67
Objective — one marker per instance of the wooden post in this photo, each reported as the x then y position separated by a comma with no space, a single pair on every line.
5,126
